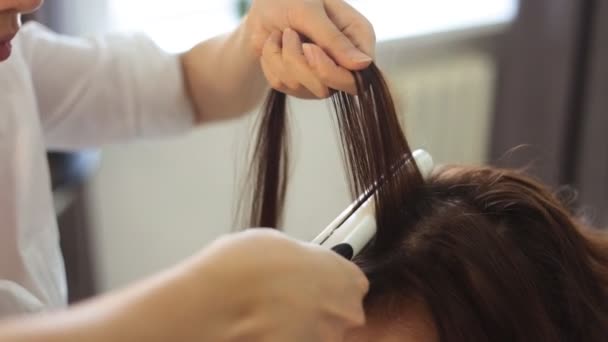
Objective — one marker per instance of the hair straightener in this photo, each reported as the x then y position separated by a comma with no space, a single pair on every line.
355,227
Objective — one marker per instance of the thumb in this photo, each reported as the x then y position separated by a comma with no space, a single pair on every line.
343,45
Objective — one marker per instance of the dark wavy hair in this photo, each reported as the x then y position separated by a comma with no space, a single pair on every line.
493,254
496,257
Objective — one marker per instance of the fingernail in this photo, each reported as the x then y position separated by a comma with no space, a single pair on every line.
358,56
310,55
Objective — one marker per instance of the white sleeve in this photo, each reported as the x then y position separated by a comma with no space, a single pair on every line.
104,90
15,299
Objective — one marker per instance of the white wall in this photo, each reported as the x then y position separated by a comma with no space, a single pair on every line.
154,203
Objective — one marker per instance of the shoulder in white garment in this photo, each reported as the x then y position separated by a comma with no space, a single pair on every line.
31,268
68,93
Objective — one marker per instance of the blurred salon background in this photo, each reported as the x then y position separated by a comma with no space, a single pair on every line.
518,83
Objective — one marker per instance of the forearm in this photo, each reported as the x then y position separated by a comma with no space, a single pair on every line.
179,304
67,326
224,76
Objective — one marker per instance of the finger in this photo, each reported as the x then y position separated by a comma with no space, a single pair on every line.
353,276
345,288
349,316
271,76
311,19
348,300
271,61
332,330
354,25
331,74
355,279
296,64
273,68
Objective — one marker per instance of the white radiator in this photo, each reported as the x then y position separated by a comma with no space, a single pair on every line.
447,105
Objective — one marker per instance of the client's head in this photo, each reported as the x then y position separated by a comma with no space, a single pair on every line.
486,255
471,254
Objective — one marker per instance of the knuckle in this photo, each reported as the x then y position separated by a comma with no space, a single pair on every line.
290,59
372,32
361,281
363,25
357,315
258,42
339,39
265,50
360,318
301,11
324,93
260,233
324,74
272,80
364,284
268,239
276,84
369,27
270,50
293,86
296,90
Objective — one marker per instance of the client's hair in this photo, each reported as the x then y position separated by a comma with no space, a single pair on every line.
493,254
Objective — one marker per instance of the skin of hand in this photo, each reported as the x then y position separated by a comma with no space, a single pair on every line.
252,286
304,48
309,47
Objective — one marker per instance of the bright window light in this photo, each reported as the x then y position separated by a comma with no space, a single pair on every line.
175,25
178,24
395,19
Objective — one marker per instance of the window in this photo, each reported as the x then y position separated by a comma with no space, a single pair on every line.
184,22
394,19
177,24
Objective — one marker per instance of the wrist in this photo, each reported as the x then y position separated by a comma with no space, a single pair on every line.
165,307
223,76
245,35
70,325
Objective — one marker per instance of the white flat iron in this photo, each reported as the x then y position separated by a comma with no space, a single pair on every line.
355,227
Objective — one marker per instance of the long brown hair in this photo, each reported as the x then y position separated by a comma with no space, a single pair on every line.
493,254
496,257
373,146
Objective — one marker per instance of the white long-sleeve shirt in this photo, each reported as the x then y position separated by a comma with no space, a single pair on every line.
68,93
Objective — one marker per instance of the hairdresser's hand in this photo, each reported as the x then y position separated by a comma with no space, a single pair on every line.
266,287
253,286
338,38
